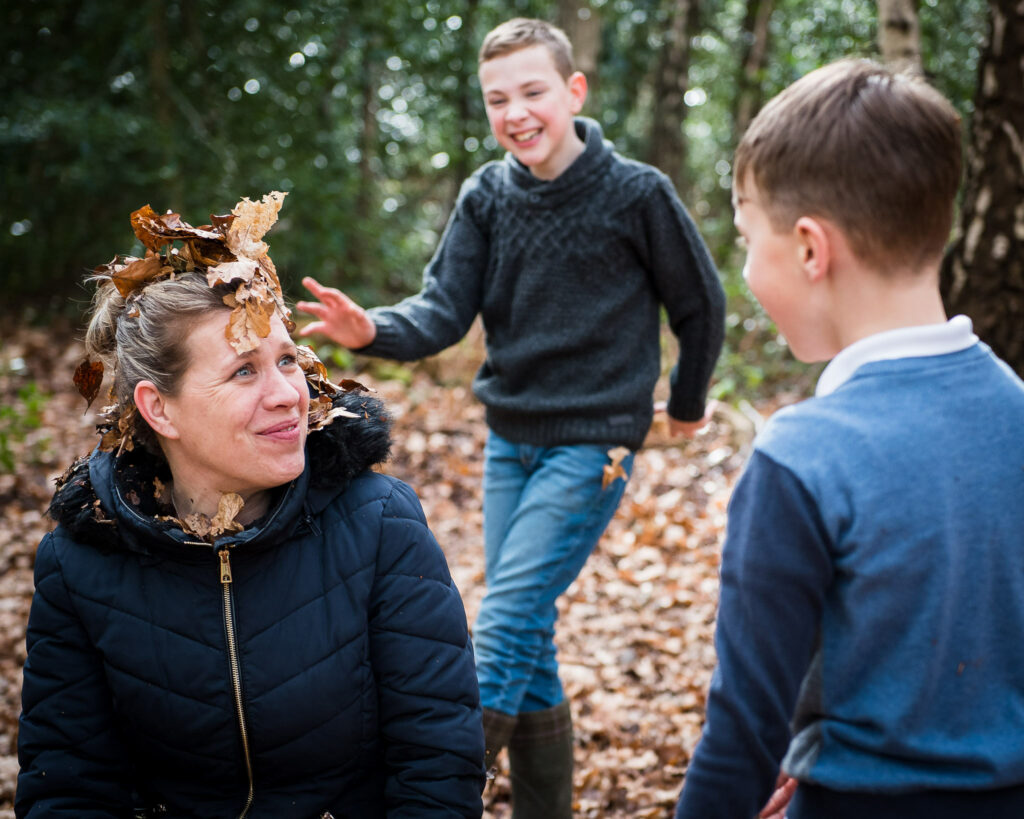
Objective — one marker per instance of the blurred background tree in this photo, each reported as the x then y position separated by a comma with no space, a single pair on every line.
369,115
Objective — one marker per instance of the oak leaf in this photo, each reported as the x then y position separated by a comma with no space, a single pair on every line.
614,470
137,273
155,230
252,221
227,272
87,378
241,335
228,508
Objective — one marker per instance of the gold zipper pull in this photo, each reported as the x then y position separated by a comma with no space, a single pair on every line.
225,566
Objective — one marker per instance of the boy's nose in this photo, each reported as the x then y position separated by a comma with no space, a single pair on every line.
516,111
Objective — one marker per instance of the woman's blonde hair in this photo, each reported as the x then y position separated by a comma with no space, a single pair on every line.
144,337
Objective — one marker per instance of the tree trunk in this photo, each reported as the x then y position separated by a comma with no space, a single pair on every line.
899,35
752,63
983,272
463,165
358,250
668,148
582,24
160,84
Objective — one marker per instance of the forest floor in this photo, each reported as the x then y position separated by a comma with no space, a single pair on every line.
635,629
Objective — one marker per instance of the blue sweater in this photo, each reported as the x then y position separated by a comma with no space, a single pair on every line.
568,276
873,586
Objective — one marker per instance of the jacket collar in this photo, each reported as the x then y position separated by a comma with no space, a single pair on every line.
110,502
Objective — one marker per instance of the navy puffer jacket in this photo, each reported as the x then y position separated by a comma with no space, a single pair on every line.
335,663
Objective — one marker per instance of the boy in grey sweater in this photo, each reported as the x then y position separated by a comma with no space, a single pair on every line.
568,251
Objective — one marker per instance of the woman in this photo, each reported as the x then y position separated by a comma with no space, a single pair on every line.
231,619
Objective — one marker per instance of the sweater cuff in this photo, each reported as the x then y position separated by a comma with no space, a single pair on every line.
687,409
383,342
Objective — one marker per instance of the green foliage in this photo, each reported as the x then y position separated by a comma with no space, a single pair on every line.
369,114
19,419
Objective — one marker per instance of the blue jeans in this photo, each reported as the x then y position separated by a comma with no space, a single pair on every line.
544,511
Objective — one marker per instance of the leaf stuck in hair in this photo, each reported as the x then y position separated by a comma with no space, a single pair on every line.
87,378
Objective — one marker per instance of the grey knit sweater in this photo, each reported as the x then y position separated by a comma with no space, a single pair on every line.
568,275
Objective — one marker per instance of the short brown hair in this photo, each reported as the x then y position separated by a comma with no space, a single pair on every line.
876,152
523,32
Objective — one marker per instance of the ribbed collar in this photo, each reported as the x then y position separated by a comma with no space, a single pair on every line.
906,342
597,153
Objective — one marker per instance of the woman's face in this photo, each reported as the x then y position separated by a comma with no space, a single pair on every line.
239,421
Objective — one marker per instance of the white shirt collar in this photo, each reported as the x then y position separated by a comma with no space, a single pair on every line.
906,342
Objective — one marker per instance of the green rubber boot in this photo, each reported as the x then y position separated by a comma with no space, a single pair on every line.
498,728
540,764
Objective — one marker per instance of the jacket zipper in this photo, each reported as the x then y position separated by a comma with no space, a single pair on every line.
236,675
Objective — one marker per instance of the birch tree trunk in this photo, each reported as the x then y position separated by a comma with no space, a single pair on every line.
667,147
899,35
983,272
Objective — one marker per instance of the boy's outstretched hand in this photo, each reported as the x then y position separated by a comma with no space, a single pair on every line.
339,318
687,429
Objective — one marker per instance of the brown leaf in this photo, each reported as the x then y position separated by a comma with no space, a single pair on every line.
196,524
87,378
253,220
614,469
222,223
239,333
228,508
117,428
209,251
156,230
227,272
137,273
348,385
162,492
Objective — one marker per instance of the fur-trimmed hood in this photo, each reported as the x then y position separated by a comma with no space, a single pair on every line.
110,503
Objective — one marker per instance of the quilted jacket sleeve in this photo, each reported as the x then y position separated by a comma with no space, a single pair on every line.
72,763
430,718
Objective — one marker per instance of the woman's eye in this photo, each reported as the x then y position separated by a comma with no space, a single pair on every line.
245,370
288,360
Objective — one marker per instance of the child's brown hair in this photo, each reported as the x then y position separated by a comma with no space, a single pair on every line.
523,32
875,152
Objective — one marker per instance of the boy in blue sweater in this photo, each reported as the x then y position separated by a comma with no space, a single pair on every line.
872,582
567,251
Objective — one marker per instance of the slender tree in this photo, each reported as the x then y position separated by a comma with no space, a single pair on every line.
983,272
753,59
667,146
899,34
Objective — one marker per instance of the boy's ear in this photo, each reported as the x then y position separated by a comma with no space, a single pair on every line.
153,407
577,83
814,247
